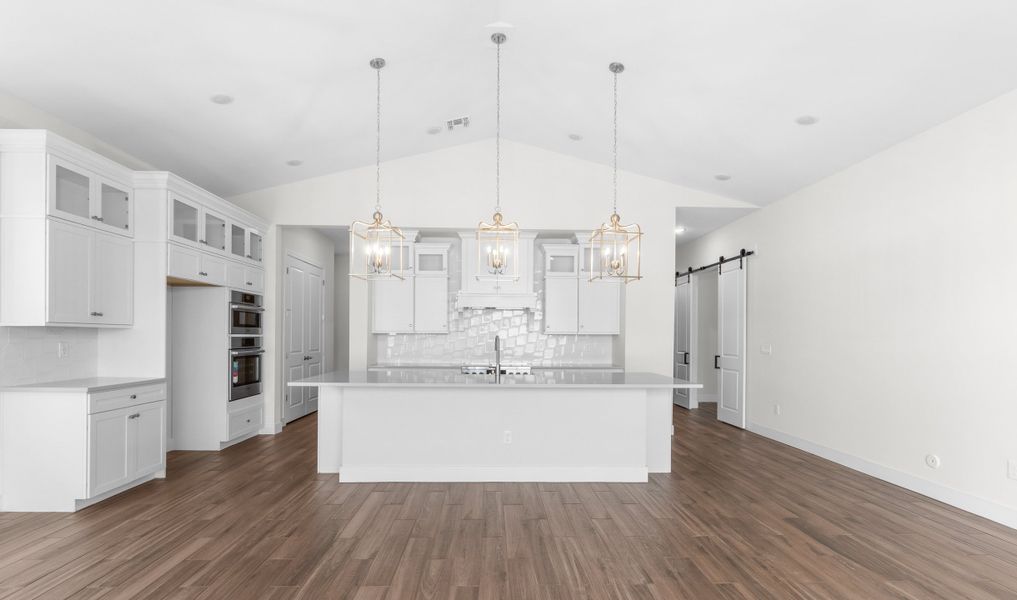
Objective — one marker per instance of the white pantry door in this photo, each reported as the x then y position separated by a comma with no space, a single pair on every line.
731,342
302,333
683,321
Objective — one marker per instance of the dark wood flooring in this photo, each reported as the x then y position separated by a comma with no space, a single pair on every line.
740,517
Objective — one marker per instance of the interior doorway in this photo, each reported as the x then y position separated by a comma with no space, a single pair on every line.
303,324
710,330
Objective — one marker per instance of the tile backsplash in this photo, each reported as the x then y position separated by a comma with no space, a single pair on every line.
471,334
29,354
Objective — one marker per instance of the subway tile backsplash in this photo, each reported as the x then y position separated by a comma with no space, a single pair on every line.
29,354
471,335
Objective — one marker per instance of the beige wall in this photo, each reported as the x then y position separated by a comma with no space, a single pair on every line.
888,293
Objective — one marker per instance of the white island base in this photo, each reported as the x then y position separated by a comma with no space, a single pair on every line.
380,428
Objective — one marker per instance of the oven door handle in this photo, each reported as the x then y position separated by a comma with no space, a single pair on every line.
247,307
248,353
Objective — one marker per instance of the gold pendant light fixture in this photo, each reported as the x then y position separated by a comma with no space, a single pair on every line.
498,242
376,247
615,248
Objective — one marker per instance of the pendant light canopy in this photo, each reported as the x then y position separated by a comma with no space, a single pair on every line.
498,242
376,246
615,248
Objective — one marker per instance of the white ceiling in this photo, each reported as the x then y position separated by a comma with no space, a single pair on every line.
710,87
699,221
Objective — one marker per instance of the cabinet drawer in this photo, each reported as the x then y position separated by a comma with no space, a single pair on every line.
245,421
114,399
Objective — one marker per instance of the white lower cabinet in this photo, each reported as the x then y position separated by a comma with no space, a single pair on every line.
193,265
65,446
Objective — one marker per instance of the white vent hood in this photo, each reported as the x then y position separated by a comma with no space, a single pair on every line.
479,292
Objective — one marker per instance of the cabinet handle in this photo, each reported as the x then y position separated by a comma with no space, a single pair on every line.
95,218
96,314
248,420
203,274
134,416
134,396
250,283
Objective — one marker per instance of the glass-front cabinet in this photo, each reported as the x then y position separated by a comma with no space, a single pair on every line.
184,220
215,231
77,194
238,240
255,250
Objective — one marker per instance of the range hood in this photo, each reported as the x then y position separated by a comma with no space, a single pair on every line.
480,292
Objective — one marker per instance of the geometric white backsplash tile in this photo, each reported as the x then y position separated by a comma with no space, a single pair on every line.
471,335
29,354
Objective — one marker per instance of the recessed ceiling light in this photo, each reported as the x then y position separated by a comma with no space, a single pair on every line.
295,162
575,137
806,120
222,99
722,177
679,230
435,130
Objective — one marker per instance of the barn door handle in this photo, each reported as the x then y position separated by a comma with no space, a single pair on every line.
716,358
686,357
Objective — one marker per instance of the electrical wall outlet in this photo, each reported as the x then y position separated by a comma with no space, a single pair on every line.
63,349
766,349
507,437
932,461
1011,469
776,409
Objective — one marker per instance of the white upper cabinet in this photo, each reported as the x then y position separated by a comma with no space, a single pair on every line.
214,231
88,197
392,305
254,246
478,291
572,303
599,307
90,278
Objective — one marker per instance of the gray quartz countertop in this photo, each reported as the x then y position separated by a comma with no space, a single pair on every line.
88,385
564,378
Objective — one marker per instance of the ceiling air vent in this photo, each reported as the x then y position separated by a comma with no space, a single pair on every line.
458,123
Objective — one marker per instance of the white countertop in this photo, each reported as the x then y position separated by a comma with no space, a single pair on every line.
543,378
88,385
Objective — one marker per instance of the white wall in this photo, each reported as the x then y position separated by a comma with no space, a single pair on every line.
341,332
29,354
889,294
318,249
453,189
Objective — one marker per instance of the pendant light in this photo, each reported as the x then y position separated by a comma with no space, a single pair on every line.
498,242
376,247
614,248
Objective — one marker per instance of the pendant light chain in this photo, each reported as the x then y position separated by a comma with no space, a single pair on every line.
377,148
497,134
615,148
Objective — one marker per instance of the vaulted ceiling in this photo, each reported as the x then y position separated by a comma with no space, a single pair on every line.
709,88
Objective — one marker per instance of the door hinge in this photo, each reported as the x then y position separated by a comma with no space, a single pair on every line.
287,270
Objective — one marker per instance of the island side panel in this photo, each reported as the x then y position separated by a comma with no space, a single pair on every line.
659,423
494,434
330,429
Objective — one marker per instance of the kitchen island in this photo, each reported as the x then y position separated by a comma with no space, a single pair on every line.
416,424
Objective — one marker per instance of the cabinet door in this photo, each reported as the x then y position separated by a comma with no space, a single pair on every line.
213,270
149,429
430,305
110,461
184,263
254,246
112,280
115,205
214,231
184,221
254,279
599,307
561,305
70,191
68,293
392,303
236,276
238,240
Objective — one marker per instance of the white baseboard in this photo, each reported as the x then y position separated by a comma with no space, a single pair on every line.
989,509
271,429
448,473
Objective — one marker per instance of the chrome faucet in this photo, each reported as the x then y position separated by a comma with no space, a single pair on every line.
497,359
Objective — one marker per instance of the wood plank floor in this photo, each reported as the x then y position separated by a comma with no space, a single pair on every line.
740,517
